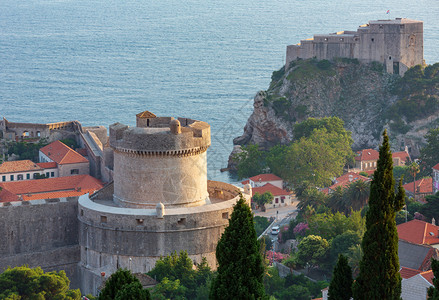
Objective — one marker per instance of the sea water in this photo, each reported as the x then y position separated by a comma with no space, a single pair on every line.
103,61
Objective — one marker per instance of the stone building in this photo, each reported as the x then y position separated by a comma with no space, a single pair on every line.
398,44
160,201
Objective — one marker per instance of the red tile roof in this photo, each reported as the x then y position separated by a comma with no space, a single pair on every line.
49,188
428,275
419,232
436,167
62,154
268,187
407,273
48,165
265,177
18,166
344,181
367,154
423,186
402,155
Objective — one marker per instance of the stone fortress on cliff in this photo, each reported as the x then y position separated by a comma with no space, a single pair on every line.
398,44
158,202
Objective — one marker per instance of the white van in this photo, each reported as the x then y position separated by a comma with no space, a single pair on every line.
275,230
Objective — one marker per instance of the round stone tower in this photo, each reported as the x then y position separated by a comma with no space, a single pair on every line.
160,162
160,200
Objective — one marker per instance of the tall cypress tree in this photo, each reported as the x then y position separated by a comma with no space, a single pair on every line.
240,268
341,283
379,276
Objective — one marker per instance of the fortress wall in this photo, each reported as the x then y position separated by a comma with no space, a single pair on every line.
144,181
40,233
412,44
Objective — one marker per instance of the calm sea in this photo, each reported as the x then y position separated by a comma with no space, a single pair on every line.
103,61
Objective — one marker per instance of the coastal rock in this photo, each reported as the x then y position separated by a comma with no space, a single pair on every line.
362,95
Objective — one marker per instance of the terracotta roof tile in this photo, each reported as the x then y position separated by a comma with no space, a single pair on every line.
265,177
48,165
419,232
407,273
436,167
367,154
423,186
268,187
344,181
402,155
62,154
49,188
428,275
18,166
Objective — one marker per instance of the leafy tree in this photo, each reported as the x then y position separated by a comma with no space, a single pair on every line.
304,162
430,153
431,208
263,199
251,161
169,289
312,250
340,287
329,225
132,291
342,243
240,268
124,282
261,223
433,291
379,276
354,255
33,283
414,169
336,200
27,150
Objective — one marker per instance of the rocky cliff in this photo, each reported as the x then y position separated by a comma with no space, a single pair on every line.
364,96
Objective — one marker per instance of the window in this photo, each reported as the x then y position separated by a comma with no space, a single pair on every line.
139,221
12,177
276,200
3,178
282,199
20,177
47,174
103,219
181,221
35,175
372,40
74,171
225,215
52,174
27,176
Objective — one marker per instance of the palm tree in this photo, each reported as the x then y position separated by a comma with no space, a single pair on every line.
358,194
414,169
311,196
336,200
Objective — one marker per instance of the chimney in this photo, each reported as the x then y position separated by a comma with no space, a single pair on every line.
350,178
433,221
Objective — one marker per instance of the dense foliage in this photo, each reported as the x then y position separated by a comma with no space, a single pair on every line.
178,278
302,160
379,276
292,287
123,285
240,267
263,199
433,291
261,223
430,153
340,287
26,283
27,150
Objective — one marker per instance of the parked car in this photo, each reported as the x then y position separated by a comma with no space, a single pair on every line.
275,230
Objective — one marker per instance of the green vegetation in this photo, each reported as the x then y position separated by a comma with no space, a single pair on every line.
431,208
433,291
27,150
26,283
310,68
379,276
240,268
261,223
263,199
71,143
302,161
123,285
430,153
418,97
179,280
291,287
340,287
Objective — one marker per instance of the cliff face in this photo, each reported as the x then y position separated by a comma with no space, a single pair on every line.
363,95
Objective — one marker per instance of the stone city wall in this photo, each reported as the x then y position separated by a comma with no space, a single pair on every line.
40,233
